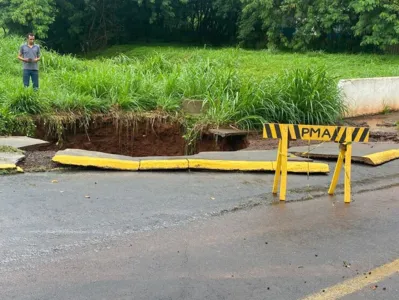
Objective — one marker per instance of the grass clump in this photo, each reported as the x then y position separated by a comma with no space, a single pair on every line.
308,96
22,100
11,123
9,149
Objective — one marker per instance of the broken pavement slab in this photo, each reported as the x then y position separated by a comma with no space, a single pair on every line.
84,158
9,168
21,142
372,153
225,132
204,161
9,157
5,165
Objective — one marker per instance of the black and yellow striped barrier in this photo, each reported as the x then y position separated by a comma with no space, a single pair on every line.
316,133
340,134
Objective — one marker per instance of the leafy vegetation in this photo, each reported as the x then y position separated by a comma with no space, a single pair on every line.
329,25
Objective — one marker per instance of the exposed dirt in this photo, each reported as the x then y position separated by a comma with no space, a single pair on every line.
160,138
131,138
36,161
231,143
383,127
138,139
381,136
377,122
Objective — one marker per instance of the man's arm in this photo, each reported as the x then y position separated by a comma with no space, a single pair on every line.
38,55
20,56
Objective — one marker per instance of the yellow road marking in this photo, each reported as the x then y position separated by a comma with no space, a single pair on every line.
356,284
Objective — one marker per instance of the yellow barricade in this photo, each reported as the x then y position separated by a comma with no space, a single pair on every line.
345,136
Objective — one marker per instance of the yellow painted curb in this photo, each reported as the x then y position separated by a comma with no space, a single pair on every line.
227,165
108,163
382,157
305,167
7,166
230,165
172,164
20,170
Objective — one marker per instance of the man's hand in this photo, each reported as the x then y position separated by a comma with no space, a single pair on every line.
28,60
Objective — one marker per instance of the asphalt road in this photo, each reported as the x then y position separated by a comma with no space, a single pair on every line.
111,235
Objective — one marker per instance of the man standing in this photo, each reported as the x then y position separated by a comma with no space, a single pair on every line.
29,54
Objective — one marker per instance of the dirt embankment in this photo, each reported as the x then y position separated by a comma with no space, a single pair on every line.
138,138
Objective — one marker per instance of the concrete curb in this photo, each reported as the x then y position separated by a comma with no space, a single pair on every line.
380,158
7,166
106,163
163,164
10,167
178,163
252,166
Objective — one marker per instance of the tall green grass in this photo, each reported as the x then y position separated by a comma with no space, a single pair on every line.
263,63
160,82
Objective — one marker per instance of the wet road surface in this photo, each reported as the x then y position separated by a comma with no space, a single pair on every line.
96,235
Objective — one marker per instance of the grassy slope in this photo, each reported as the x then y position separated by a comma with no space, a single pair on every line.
262,63
240,87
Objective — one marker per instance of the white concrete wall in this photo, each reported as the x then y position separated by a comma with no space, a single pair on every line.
370,95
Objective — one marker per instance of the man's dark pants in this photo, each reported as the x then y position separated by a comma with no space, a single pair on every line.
34,74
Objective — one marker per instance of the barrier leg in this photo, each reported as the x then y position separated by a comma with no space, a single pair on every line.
337,170
348,165
277,175
284,158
